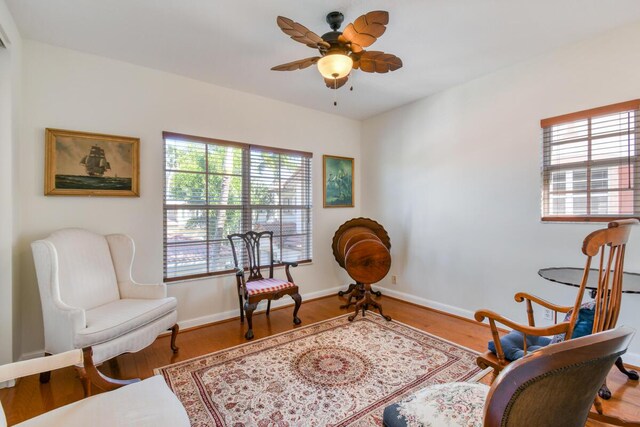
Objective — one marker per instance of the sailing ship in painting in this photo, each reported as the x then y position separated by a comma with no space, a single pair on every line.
95,165
95,162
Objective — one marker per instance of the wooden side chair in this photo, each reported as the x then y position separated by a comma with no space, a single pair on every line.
555,386
258,255
610,243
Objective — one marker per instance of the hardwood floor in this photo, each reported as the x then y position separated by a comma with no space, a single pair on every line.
30,398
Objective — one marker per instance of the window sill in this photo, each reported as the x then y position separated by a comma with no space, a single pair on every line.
584,219
225,274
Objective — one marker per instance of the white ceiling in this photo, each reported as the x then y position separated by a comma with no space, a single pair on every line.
234,43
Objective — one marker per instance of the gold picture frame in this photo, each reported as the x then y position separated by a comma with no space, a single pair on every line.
337,182
91,164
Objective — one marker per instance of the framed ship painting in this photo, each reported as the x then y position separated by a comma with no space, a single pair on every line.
337,178
91,164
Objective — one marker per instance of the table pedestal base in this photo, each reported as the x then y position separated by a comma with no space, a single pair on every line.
364,302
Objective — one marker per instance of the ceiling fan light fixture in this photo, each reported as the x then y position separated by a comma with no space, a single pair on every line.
335,65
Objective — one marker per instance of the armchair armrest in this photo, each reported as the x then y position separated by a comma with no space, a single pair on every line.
24,368
61,321
123,251
287,265
494,317
240,281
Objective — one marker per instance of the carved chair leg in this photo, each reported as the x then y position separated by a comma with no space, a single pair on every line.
268,307
298,300
84,379
604,391
632,375
91,374
241,309
45,376
174,333
249,308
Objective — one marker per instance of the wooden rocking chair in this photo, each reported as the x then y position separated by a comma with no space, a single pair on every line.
610,243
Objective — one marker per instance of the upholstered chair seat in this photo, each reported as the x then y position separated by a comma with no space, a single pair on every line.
89,298
451,405
116,318
265,286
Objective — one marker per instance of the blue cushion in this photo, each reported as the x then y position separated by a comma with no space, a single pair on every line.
512,344
584,324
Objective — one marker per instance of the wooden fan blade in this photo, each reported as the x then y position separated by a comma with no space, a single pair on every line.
378,62
296,65
336,84
366,29
300,33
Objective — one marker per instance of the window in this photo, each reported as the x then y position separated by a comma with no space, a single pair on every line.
214,188
590,164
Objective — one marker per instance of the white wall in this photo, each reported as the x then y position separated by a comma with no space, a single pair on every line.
10,63
70,90
456,180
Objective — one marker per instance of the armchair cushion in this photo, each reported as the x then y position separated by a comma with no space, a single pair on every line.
513,344
451,405
111,320
148,403
262,286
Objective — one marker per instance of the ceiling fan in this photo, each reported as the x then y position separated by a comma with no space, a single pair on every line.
340,52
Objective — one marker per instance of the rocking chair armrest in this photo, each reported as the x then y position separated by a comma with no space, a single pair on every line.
521,296
493,317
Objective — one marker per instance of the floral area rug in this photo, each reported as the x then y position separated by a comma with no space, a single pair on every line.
331,373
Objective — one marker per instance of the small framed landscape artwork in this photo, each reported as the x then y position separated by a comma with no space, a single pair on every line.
91,164
337,177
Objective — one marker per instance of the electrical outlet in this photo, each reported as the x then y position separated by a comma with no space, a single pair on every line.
548,314
394,279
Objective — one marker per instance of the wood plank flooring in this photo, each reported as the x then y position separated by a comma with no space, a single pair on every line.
30,398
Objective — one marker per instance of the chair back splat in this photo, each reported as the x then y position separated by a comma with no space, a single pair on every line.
253,243
611,244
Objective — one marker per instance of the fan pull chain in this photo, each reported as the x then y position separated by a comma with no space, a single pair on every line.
335,91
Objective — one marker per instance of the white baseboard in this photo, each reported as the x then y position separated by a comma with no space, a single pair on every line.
629,358
217,317
427,303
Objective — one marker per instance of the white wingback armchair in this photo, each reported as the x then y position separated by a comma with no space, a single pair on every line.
89,298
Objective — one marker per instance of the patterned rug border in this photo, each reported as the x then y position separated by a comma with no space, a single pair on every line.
157,371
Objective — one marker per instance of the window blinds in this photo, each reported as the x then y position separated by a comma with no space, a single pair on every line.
590,164
215,188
